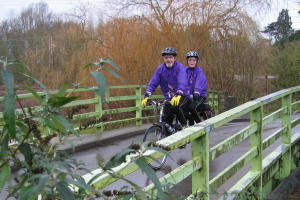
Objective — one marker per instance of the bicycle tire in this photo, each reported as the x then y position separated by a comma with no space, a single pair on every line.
153,134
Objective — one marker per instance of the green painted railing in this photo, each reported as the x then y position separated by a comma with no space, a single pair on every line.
264,173
98,111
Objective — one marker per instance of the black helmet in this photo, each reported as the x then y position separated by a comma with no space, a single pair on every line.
169,51
192,54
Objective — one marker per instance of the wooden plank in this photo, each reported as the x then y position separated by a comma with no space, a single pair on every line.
274,96
119,121
81,102
119,110
295,106
273,116
227,144
272,138
245,182
178,174
127,120
85,115
122,98
229,171
295,137
295,122
232,114
125,87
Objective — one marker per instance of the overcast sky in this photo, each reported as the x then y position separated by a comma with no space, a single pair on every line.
11,8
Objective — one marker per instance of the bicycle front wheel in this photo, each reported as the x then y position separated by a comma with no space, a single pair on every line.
153,134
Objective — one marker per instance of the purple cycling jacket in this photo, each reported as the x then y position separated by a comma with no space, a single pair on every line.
196,81
171,80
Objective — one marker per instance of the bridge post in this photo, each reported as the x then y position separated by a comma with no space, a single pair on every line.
213,100
98,109
256,142
138,112
200,178
285,168
216,102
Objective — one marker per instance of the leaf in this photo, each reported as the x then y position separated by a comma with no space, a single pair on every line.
124,197
58,125
21,66
4,175
47,122
31,192
8,80
90,64
9,101
151,174
95,177
4,144
58,101
140,193
118,159
33,92
111,63
63,89
101,83
114,74
64,191
170,196
39,83
87,171
26,192
42,182
158,149
36,176
81,184
26,151
63,122
23,127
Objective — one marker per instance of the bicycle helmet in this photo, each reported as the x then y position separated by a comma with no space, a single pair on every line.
169,51
192,54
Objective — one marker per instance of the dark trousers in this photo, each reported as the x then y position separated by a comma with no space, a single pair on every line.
205,110
191,113
171,111
195,110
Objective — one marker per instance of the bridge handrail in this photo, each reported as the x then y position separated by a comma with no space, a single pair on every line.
198,135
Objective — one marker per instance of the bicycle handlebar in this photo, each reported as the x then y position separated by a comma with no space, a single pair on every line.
155,103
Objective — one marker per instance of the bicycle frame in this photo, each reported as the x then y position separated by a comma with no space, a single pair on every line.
161,123
160,106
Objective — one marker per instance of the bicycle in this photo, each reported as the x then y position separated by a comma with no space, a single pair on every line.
161,129
158,131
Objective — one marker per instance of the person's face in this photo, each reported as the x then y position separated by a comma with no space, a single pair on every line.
169,60
192,62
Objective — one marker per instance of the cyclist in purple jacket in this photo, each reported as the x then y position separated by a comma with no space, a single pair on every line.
170,75
196,88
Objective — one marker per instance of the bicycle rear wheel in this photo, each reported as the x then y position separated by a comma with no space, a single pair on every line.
153,134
